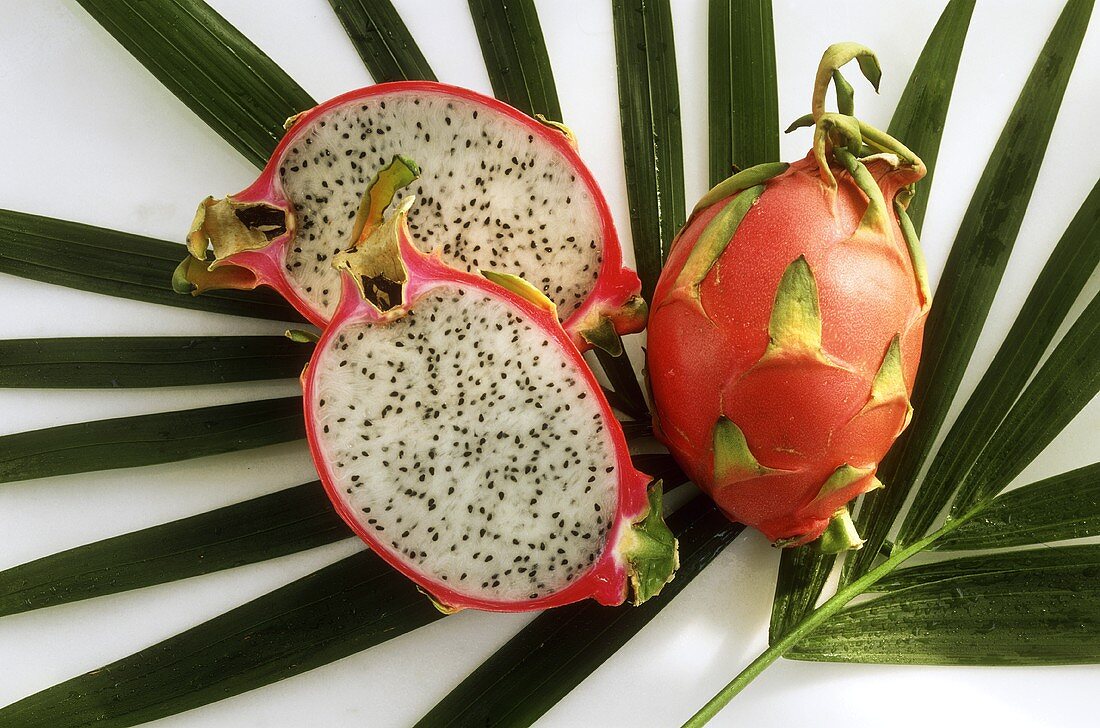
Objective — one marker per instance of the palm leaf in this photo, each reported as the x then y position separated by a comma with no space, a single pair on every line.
1004,562
972,274
515,55
920,114
147,361
164,437
743,100
382,40
1060,508
210,66
1057,287
1066,382
921,111
561,647
1019,612
347,607
649,110
116,264
285,522
802,576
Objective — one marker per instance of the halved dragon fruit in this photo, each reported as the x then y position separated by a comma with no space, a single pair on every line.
459,432
500,191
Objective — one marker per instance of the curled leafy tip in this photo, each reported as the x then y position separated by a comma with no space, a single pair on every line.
650,550
565,130
603,335
800,123
845,94
840,535
375,262
193,276
521,288
300,336
400,173
229,226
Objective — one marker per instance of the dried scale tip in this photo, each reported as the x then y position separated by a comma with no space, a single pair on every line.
499,191
459,432
786,327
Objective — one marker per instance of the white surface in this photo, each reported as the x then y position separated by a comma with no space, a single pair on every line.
93,137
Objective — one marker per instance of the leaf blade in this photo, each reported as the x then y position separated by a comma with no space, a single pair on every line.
382,40
515,55
1062,507
163,437
115,263
210,66
649,111
918,120
561,647
345,608
743,105
1067,381
1039,612
147,361
284,522
803,572
971,276
1058,285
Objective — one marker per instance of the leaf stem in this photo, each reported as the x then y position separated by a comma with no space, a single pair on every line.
817,617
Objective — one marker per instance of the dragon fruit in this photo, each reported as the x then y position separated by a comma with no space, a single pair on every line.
458,431
786,326
500,191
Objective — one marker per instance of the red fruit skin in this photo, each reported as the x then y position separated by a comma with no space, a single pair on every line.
799,416
617,286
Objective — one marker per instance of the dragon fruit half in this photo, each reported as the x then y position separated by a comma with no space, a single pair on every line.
786,327
500,191
459,432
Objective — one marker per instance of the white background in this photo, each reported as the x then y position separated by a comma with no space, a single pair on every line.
91,136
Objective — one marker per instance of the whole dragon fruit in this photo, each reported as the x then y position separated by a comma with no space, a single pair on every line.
786,326
500,191
458,431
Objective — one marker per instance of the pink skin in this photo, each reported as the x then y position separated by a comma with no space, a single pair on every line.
797,416
614,286
606,581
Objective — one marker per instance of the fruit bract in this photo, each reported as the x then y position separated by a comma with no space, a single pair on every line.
786,326
459,432
500,191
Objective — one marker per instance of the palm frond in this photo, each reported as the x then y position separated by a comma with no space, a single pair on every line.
649,110
210,66
274,525
1067,381
922,109
115,263
164,437
344,608
1059,283
109,362
971,276
743,106
1060,508
382,40
1035,608
515,55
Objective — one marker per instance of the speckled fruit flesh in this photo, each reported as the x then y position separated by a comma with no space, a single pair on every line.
458,432
499,190
786,328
